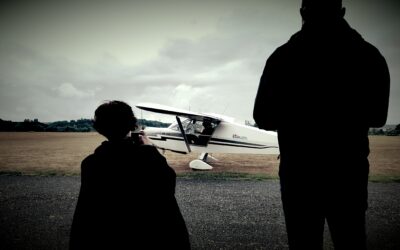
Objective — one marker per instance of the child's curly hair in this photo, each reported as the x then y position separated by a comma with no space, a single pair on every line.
114,120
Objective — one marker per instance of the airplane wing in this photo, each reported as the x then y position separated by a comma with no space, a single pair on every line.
158,108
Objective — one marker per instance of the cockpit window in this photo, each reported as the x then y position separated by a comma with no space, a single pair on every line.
197,132
174,126
185,125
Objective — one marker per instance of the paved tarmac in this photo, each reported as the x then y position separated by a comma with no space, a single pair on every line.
36,213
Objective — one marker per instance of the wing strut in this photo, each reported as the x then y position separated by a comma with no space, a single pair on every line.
183,133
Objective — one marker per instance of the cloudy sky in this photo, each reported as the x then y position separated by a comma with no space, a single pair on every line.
60,59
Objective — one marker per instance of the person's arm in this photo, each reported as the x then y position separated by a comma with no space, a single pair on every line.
379,89
144,139
163,176
266,108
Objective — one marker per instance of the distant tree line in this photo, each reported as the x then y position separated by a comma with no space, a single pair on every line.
151,123
388,131
86,125
81,125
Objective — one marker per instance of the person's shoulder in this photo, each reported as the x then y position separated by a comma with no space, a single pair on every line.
97,152
88,160
88,164
285,48
370,54
370,49
366,47
282,48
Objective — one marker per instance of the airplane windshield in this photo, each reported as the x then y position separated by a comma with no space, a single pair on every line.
197,132
185,124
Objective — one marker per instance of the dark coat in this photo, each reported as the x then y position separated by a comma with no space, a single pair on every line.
322,91
127,201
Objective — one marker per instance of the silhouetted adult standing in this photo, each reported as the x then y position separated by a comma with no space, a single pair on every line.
322,91
127,195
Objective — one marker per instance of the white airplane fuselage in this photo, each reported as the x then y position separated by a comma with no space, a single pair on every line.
228,137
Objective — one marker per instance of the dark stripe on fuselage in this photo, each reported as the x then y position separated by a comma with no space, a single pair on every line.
216,141
242,146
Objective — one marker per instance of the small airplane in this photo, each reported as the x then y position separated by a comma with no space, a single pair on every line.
207,133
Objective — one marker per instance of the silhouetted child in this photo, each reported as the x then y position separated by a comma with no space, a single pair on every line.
127,195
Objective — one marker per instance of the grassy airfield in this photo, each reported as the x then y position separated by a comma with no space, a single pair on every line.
36,153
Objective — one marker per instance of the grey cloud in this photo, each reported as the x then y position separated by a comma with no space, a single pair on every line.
49,88
68,90
218,72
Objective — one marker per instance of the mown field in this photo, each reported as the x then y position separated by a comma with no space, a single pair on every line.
61,154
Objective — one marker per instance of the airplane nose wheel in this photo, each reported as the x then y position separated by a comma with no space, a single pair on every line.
200,163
